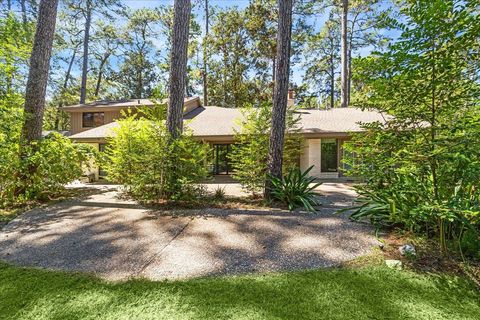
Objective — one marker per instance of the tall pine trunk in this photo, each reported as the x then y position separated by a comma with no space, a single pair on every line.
103,61
178,67
332,81
344,81
38,73
280,93
86,40
23,7
64,88
205,62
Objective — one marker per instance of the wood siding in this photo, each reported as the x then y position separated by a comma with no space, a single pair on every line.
76,120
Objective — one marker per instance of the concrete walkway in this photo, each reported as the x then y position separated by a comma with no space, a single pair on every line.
118,239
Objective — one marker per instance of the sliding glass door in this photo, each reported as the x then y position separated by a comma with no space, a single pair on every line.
221,163
329,155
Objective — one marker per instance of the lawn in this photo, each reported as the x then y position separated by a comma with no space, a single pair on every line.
358,293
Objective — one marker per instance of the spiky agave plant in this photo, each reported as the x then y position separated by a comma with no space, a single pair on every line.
296,189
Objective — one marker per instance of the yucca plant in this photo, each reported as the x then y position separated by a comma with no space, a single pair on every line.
296,189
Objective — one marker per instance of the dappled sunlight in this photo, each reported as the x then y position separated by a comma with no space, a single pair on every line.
119,239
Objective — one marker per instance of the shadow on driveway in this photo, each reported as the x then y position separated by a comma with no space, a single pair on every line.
118,239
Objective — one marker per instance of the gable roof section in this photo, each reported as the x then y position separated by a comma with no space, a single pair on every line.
217,121
190,104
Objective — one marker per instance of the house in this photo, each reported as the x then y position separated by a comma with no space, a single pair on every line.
325,131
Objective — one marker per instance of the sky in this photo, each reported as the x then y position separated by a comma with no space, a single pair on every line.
297,72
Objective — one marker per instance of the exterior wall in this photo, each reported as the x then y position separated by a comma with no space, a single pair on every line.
312,153
76,120
304,161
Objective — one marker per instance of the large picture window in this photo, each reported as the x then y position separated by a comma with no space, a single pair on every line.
329,155
93,119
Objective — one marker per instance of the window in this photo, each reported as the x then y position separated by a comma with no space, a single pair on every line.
329,155
92,119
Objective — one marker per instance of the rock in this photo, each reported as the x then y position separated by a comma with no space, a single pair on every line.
394,264
407,250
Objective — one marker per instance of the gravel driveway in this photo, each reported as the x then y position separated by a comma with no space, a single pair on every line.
118,239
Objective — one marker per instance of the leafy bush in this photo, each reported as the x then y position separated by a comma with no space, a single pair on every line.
57,161
296,189
422,166
250,153
141,156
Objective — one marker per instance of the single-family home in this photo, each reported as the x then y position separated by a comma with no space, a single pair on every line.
324,131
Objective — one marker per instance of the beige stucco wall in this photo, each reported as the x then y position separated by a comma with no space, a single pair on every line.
311,155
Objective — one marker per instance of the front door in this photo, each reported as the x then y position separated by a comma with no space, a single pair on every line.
221,164
329,155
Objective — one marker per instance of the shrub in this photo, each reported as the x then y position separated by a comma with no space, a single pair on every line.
422,165
219,193
141,157
250,153
296,189
56,159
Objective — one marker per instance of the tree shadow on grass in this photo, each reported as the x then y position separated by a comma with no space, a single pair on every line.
367,293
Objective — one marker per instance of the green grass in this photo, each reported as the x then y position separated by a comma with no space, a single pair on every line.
361,293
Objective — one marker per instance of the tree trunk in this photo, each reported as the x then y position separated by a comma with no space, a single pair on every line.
344,80
65,85
24,11
332,84
38,73
86,40
178,67
100,73
205,65
280,93
274,66
34,8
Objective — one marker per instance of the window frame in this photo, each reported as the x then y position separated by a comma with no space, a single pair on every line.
94,124
329,141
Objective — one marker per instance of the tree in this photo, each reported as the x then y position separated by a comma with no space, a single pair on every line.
322,57
229,41
421,166
280,93
15,49
178,67
137,72
344,56
87,9
106,42
249,154
205,57
39,68
366,19
261,24
86,40
66,49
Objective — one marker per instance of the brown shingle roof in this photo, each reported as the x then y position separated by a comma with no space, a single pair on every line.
216,121
109,104
127,103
